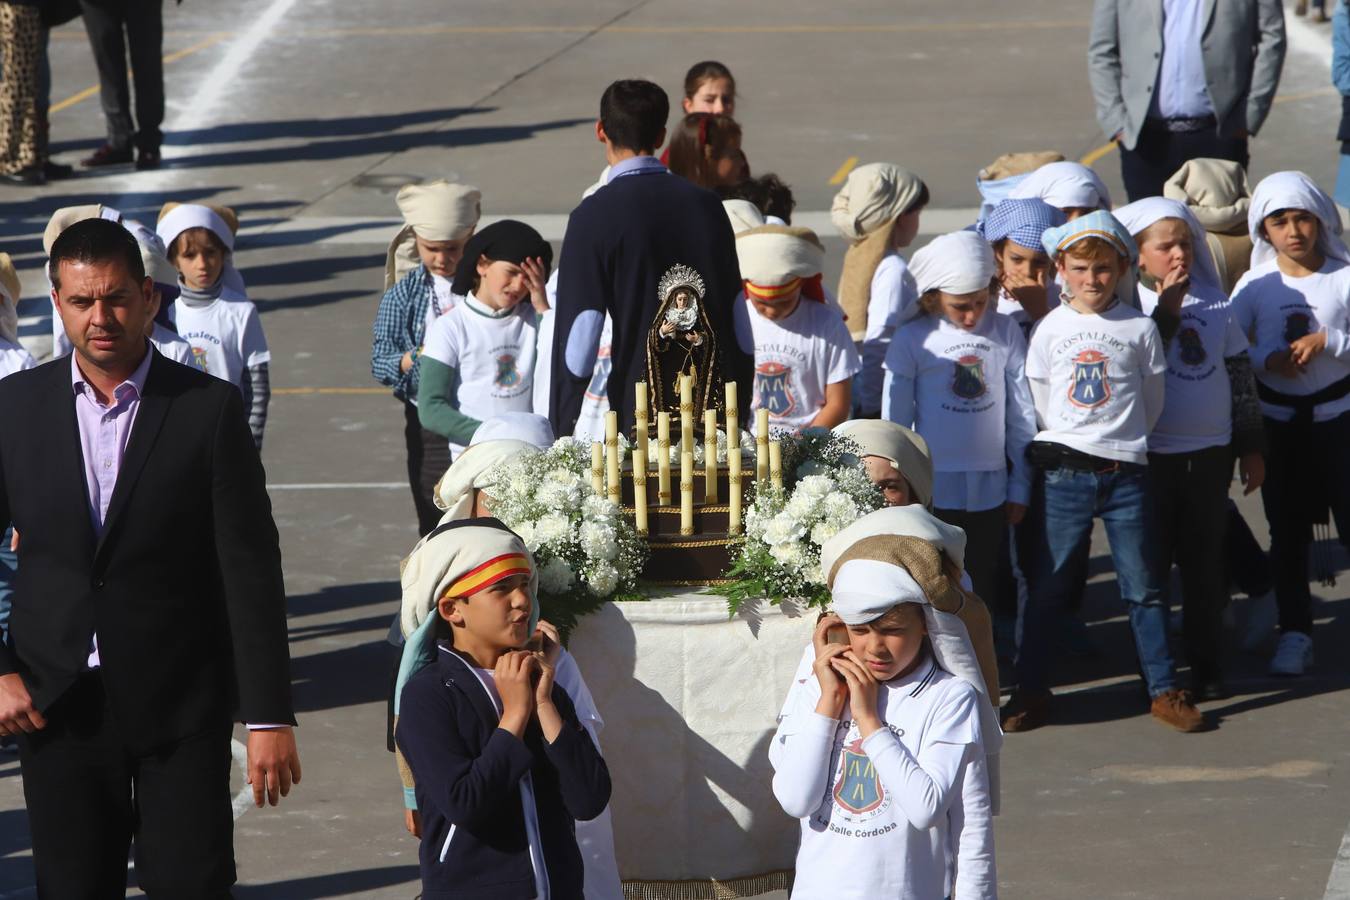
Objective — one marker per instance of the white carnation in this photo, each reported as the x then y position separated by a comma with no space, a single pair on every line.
813,573
527,534
802,506
598,541
823,532
552,527
817,486
789,555
604,579
599,508
783,529
555,576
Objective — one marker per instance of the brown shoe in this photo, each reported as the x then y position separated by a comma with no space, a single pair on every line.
1176,708
1026,710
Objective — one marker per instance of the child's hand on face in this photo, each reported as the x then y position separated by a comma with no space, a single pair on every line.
862,692
833,691
1031,291
552,643
1172,289
1305,348
536,279
513,675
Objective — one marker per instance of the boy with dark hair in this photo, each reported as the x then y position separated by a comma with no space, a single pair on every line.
619,243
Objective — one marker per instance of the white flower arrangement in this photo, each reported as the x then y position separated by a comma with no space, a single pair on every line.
825,488
586,551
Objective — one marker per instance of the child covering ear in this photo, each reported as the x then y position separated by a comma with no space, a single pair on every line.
213,312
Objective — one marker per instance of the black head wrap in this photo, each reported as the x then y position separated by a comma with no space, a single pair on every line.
507,241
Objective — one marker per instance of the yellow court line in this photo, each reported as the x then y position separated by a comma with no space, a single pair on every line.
347,391
1096,155
842,172
172,57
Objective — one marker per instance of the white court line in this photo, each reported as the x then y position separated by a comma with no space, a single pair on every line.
1338,884
341,486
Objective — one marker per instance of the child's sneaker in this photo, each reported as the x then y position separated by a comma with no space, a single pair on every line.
1293,654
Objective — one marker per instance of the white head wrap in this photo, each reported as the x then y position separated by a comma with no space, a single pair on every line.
435,211
1294,190
774,254
9,300
872,197
531,428
906,450
743,214
175,218
472,471
153,257
1066,185
852,560
956,263
1217,192
1139,215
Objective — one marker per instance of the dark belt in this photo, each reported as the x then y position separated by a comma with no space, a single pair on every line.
1186,124
1050,455
1304,404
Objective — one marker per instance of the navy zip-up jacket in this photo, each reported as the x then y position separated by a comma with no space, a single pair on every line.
468,771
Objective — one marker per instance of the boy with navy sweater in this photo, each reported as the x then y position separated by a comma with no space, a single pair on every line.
502,764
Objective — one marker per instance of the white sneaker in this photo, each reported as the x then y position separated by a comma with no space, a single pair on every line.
1293,654
1262,618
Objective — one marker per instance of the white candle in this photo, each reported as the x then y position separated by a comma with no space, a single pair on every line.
733,417
663,458
612,455
686,493
761,444
776,464
640,420
734,476
710,456
686,414
640,491
598,468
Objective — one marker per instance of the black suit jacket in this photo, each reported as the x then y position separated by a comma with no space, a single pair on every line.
184,588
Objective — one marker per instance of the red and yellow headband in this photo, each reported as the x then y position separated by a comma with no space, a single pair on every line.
488,574
771,293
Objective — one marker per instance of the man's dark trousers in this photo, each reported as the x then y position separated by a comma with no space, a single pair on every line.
113,27
1158,153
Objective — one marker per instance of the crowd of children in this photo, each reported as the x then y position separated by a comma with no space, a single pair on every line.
1056,363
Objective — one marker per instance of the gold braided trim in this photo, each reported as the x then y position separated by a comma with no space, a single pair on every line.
708,889
687,545
672,510
702,582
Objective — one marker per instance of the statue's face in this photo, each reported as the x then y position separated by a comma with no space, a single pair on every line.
682,298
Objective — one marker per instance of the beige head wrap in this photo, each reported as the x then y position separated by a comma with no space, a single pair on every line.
67,216
1217,192
472,471
10,291
881,559
905,449
774,254
1020,163
435,211
864,211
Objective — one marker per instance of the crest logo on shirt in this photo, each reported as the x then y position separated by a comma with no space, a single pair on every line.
773,390
1089,388
968,380
1191,348
199,357
1297,325
599,385
858,789
507,373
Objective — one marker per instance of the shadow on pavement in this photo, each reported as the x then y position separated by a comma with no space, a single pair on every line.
338,884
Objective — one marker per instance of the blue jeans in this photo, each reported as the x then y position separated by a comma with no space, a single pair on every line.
1065,503
9,565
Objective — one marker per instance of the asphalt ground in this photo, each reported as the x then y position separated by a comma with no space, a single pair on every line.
307,117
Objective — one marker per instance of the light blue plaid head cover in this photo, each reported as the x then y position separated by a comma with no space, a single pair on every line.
1099,224
1020,221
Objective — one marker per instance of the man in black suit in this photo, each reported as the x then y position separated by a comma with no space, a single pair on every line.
619,243
149,612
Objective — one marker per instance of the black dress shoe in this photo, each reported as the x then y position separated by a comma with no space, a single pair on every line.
148,159
107,155
56,171
29,177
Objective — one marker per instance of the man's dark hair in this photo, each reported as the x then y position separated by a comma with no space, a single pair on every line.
767,192
95,241
633,113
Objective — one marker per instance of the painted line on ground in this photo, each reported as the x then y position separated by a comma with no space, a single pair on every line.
342,391
842,172
172,57
1338,882
206,103
243,801
341,486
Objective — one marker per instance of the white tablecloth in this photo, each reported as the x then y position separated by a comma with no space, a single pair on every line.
690,699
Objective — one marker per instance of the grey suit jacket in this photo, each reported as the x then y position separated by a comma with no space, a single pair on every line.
1243,48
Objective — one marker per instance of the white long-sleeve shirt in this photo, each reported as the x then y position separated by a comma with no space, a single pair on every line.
877,812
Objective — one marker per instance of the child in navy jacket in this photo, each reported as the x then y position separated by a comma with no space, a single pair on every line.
503,766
